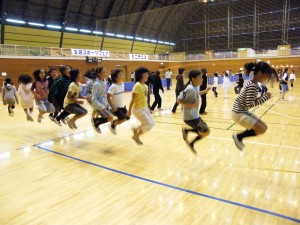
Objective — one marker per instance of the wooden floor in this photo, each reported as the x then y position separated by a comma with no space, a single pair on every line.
54,175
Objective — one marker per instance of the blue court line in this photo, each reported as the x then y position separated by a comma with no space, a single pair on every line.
173,187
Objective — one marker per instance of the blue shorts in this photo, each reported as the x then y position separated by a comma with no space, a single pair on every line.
284,87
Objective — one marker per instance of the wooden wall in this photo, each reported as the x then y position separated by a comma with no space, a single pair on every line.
14,67
234,64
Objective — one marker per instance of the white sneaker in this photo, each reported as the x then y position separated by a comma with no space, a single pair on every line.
239,144
112,130
97,128
57,122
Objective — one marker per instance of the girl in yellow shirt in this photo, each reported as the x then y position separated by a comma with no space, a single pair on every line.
138,104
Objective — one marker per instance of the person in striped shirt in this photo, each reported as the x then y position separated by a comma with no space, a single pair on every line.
248,99
58,93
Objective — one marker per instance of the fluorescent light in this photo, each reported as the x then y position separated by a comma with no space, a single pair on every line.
85,31
15,21
160,42
97,32
167,43
172,43
71,28
129,37
54,26
110,34
154,41
138,38
36,24
120,35
146,39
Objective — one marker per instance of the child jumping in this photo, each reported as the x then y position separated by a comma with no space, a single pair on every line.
9,96
248,99
39,89
115,97
138,104
72,102
189,99
25,93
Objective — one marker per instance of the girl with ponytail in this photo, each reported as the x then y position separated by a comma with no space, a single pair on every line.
248,99
189,99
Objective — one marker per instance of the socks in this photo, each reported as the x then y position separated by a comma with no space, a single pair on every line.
113,124
99,121
246,133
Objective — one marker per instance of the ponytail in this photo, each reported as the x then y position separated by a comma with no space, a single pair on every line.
192,74
258,67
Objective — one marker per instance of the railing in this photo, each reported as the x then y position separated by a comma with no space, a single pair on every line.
17,50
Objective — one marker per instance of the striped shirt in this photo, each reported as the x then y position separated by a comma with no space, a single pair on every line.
248,98
60,88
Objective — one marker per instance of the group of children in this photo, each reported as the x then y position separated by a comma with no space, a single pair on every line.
54,94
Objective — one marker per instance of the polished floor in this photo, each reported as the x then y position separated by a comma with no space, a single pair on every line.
54,175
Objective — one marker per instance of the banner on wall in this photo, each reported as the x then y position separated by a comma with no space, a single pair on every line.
84,52
138,57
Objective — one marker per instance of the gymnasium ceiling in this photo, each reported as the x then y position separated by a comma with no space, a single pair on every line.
178,21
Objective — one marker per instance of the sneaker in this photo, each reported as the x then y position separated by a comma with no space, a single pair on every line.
28,118
112,128
51,118
173,112
203,113
11,114
95,126
238,143
39,118
184,134
57,122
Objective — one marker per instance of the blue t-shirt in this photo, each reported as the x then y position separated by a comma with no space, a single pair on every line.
190,95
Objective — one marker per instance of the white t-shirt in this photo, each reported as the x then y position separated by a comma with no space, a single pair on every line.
190,95
216,81
75,89
168,74
117,90
226,83
292,76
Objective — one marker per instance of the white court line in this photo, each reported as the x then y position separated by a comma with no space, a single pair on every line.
281,114
230,139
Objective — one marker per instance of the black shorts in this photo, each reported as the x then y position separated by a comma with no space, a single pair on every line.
197,124
121,113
